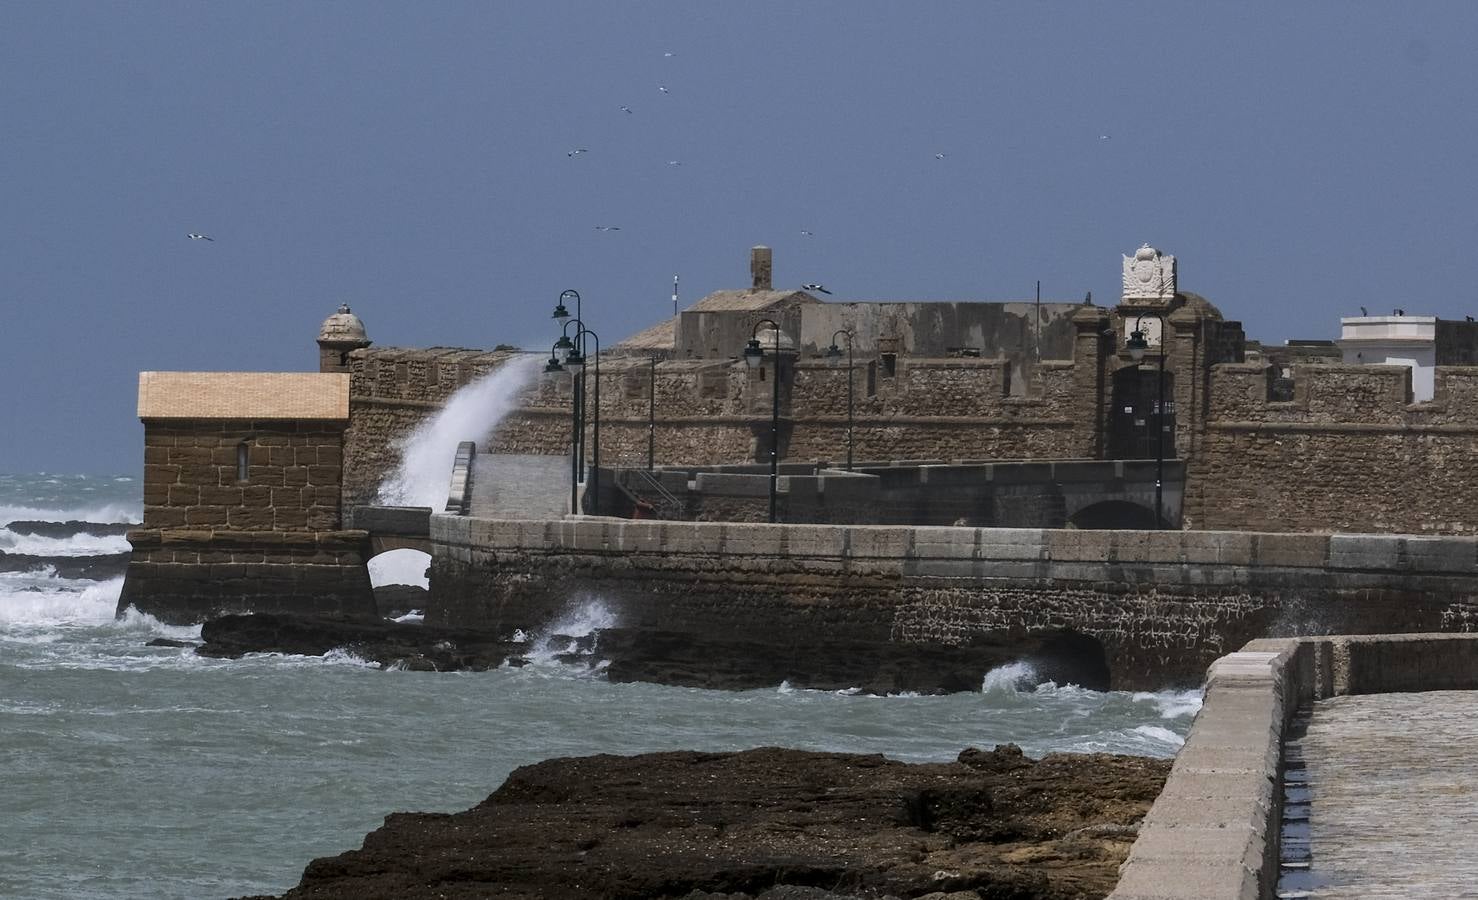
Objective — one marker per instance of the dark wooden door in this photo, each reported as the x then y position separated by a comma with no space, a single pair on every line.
1137,418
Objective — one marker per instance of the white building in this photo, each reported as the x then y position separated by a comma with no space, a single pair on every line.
1394,341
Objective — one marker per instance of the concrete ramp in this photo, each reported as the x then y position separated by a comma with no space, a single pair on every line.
520,486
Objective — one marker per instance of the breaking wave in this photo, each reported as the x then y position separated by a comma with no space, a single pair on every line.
471,414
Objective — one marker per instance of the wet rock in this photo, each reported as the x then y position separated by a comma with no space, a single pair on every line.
768,823
67,529
92,568
170,642
719,661
394,600
391,644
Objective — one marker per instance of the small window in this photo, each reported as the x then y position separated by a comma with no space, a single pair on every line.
243,460
890,365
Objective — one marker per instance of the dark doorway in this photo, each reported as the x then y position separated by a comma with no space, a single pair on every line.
1135,419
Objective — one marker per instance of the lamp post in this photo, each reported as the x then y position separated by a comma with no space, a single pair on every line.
562,315
1137,345
835,352
575,363
554,367
754,357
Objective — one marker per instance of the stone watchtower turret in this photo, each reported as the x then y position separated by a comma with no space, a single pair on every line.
341,333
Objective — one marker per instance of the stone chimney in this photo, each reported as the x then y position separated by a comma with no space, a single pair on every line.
759,267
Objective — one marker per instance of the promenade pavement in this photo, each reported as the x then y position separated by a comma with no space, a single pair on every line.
1393,788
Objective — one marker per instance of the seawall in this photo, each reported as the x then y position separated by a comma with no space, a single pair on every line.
1213,831
1163,604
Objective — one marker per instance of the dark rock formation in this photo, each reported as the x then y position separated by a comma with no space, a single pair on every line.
170,642
411,646
394,600
718,661
766,823
675,658
70,528
95,568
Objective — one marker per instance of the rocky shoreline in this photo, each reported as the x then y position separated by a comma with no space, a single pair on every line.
664,657
768,823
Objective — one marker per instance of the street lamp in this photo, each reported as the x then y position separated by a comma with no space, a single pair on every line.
754,356
574,361
555,367
834,352
562,315
1137,345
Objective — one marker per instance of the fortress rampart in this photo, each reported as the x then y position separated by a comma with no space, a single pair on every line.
1349,452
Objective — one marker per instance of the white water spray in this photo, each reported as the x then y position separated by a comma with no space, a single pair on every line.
426,455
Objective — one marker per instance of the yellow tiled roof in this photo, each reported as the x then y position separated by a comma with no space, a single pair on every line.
244,395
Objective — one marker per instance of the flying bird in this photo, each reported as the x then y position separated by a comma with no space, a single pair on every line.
939,156
626,109
200,237
663,89
674,162
1103,137
808,233
576,152
608,228
815,287
668,53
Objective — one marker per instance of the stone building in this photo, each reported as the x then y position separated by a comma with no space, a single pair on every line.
242,497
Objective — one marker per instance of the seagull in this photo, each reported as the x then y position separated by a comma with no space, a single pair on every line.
674,162
939,156
201,237
626,109
576,152
608,228
663,89
1103,137
1364,311
815,287
667,54
808,233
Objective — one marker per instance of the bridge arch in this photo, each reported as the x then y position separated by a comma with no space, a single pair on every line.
1115,515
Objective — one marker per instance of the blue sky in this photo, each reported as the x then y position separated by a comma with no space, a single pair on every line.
1301,160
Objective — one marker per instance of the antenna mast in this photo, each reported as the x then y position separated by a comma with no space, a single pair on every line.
674,293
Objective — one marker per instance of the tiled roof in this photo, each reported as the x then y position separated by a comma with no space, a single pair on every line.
244,395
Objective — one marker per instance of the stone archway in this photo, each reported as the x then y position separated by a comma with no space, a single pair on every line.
399,580
1122,515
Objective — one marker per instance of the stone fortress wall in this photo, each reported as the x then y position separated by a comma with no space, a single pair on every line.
1349,452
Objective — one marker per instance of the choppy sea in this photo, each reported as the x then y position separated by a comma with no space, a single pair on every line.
134,771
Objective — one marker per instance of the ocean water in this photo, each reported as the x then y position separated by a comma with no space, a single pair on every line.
131,771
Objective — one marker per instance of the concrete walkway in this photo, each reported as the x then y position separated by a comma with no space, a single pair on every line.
509,486
1393,786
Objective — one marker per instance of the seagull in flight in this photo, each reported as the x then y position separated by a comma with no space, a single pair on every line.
667,54
939,156
663,89
576,152
200,237
674,162
808,233
815,287
626,109
608,228
1103,137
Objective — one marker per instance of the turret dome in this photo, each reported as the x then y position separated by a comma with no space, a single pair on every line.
343,327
